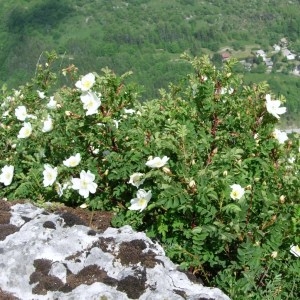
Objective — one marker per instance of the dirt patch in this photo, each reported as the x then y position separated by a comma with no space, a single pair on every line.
132,253
97,220
7,296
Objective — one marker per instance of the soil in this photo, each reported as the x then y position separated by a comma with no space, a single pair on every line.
97,220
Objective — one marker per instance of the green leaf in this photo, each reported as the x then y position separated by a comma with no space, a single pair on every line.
231,208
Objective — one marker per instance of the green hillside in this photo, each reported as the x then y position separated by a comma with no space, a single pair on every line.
146,37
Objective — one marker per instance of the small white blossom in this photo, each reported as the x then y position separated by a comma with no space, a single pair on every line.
237,192
273,107
141,200
95,150
60,188
116,123
17,93
129,111
167,170
86,82
21,113
192,184
72,161
295,250
7,175
6,113
282,199
274,254
225,90
25,131
157,162
280,136
52,104
85,184
136,179
47,124
90,102
50,175
41,94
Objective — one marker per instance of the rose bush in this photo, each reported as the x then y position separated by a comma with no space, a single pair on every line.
203,169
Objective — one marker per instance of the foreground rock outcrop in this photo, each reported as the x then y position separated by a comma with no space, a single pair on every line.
55,256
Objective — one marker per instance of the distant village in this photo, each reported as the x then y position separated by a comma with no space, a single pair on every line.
282,47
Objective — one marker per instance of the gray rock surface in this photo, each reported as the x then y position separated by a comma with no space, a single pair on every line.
46,256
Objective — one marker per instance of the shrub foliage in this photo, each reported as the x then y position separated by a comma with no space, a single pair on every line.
202,169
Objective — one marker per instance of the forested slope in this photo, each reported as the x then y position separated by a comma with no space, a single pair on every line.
146,37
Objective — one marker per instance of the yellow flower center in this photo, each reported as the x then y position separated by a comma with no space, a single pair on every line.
90,104
142,201
87,84
235,193
73,162
84,184
27,131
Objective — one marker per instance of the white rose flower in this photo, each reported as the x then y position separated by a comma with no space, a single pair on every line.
41,94
273,107
280,136
295,250
90,102
72,161
85,184
52,104
50,175
21,113
141,200
136,179
47,124
60,188
237,192
86,82
157,162
25,131
7,175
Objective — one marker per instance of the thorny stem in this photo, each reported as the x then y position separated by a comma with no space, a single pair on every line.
213,132
91,218
263,276
200,265
249,208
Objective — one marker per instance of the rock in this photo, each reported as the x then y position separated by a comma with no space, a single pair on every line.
51,256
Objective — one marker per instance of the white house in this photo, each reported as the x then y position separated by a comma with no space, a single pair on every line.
288,54
261,53
276,48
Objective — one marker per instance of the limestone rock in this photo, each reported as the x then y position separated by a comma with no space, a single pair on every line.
50,256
